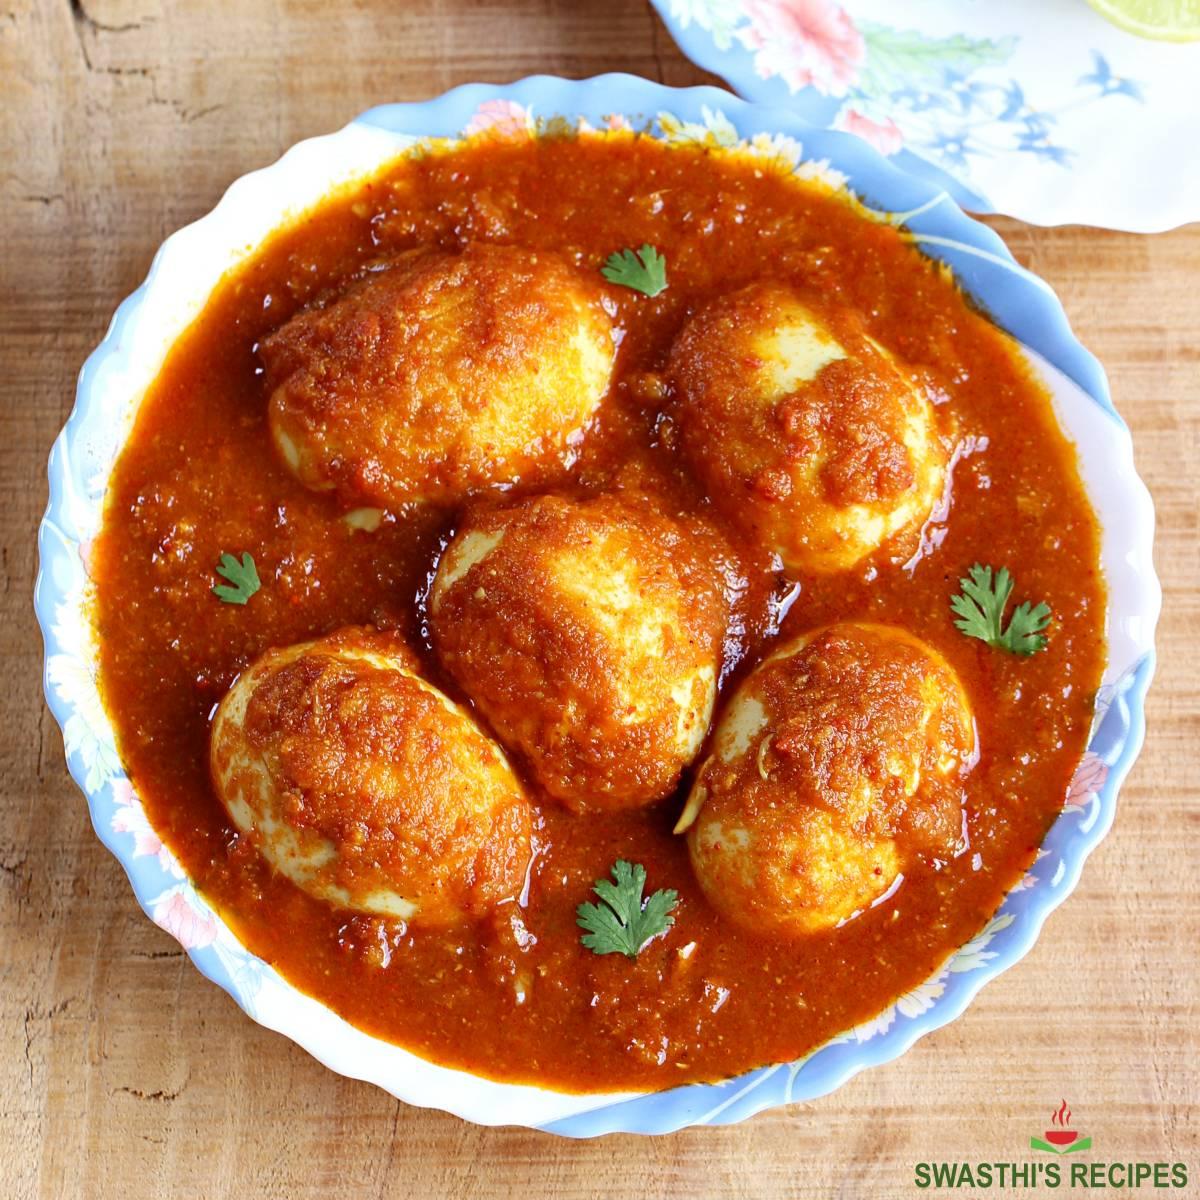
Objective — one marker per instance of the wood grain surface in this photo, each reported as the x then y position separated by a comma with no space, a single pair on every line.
125,1074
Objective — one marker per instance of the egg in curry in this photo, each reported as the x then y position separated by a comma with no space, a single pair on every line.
807,432
839,760
589,635
588,708
367,786
437,374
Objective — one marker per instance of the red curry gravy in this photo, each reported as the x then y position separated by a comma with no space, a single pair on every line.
198,477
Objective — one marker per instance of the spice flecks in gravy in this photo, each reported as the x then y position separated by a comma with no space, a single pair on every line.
517,997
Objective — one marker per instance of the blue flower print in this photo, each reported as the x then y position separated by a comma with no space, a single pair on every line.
1102,77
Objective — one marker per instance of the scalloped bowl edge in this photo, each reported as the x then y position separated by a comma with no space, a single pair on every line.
118,372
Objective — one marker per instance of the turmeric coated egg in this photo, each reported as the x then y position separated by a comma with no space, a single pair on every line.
366,786
589,634
440,375
837,763
803,429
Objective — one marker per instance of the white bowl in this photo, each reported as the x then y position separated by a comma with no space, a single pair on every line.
185,271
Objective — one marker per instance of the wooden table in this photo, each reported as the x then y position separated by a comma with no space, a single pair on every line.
122,1072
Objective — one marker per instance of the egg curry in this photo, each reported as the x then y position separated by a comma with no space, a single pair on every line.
525,609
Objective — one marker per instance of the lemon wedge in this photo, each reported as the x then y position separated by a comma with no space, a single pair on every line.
1166,20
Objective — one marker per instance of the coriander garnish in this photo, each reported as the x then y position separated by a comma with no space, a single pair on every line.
980,611
241,575
644,270
623,923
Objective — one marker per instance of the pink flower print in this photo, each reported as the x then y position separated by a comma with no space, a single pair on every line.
1088,779
807,43
184,921
614,123
131,818
501,119
885,135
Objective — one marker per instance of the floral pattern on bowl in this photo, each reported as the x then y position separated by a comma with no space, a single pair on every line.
1044,112
191,262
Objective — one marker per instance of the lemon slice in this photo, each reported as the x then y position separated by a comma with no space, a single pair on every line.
1167,20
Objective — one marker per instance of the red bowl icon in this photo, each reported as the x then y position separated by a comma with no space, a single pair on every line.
1061,1137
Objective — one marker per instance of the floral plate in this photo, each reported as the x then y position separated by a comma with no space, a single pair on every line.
1044,111
188,266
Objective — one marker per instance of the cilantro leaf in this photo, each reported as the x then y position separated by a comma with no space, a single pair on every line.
242,575
623,923
644,270
980,612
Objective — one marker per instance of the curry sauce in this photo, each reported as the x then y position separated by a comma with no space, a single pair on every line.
516,996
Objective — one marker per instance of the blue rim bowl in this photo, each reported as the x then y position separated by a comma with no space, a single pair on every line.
183,273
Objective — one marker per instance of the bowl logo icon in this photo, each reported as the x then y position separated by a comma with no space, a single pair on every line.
1061,1139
